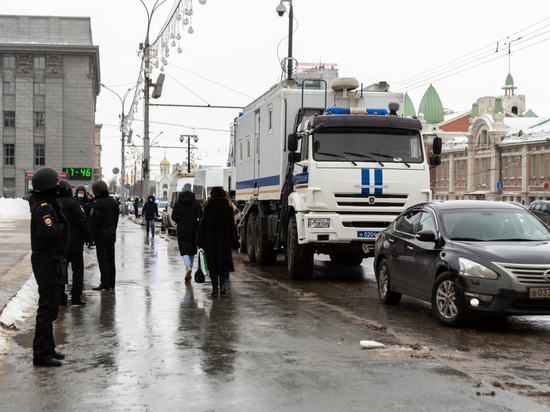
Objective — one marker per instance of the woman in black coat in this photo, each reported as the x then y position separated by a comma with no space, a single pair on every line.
187,213
218,236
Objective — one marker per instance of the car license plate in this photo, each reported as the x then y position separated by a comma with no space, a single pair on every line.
369,234
539,293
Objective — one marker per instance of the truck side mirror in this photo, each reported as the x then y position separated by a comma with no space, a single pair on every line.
435,160
437,145
294,157
292,142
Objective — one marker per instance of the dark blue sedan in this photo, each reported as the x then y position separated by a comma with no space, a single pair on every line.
466,258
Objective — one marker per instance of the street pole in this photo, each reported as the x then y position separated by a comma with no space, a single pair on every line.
122,139
281,9
188,155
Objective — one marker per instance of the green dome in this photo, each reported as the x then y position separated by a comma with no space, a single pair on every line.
408,109
431,106
498,106
509,80
475,111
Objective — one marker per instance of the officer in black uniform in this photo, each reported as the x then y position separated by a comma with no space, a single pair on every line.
49,243
103,222
79,230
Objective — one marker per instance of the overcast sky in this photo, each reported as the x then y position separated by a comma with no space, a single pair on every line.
233,56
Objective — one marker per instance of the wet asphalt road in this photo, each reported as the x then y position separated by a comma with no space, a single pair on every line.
158,343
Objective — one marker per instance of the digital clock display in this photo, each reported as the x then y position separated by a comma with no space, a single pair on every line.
78,173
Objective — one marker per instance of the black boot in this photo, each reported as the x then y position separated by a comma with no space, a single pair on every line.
222,284
214,285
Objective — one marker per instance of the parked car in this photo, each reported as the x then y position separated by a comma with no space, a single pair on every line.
466,258
541,208
162,204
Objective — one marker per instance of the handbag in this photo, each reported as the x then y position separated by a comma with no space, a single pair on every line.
199,274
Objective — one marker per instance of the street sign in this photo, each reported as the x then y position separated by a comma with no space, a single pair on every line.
500,185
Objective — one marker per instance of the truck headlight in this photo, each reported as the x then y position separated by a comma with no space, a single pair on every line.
318,223
475,270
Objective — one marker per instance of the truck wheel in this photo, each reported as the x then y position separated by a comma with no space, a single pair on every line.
265,254
250,237
299,258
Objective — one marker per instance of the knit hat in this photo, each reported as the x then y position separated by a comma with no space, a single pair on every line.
187,187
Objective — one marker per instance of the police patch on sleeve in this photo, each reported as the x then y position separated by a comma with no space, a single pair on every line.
47,220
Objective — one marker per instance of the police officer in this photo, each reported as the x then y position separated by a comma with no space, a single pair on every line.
49,243
103,222
79,230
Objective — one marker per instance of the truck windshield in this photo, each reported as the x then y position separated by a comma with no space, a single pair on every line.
380,146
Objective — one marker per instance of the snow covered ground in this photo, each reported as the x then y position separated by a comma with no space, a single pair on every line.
23,304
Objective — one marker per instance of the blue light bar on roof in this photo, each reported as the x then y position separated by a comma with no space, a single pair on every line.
356,110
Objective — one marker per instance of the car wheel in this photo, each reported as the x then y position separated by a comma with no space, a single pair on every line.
387,296
446,302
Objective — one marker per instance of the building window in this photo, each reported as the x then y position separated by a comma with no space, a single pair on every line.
9,118
39,88
39,155
39,62
532,165
8,62
483,171
39,119
9,187
9,154
541,166
8,88
240,150
520,167
248,149
484,140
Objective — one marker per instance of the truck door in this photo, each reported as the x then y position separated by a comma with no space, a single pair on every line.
256,152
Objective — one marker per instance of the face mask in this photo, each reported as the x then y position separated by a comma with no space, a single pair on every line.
151,200
80,195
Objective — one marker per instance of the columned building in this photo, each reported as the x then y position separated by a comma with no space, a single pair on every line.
50,81
498,150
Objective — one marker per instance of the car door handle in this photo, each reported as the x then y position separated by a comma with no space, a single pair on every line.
409,248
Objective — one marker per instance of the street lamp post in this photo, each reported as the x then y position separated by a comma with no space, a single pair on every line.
122,138
281,9
189,137
147,85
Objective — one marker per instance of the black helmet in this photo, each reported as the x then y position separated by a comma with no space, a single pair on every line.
65,188
44,179
99,186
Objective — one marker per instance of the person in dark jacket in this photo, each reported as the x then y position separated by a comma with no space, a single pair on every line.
82,197
103,222
218,236
187,213
136,207
151,212
49,243
79,230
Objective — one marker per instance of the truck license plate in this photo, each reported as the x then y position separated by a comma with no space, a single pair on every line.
539,293
369,234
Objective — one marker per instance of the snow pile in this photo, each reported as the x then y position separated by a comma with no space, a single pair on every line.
14,208
21,305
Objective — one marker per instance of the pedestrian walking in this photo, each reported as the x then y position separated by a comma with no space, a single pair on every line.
49,244
151,212
187,213
104,215
218,236
136,207
80,233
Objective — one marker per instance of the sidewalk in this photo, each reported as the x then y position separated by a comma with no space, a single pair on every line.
15,257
